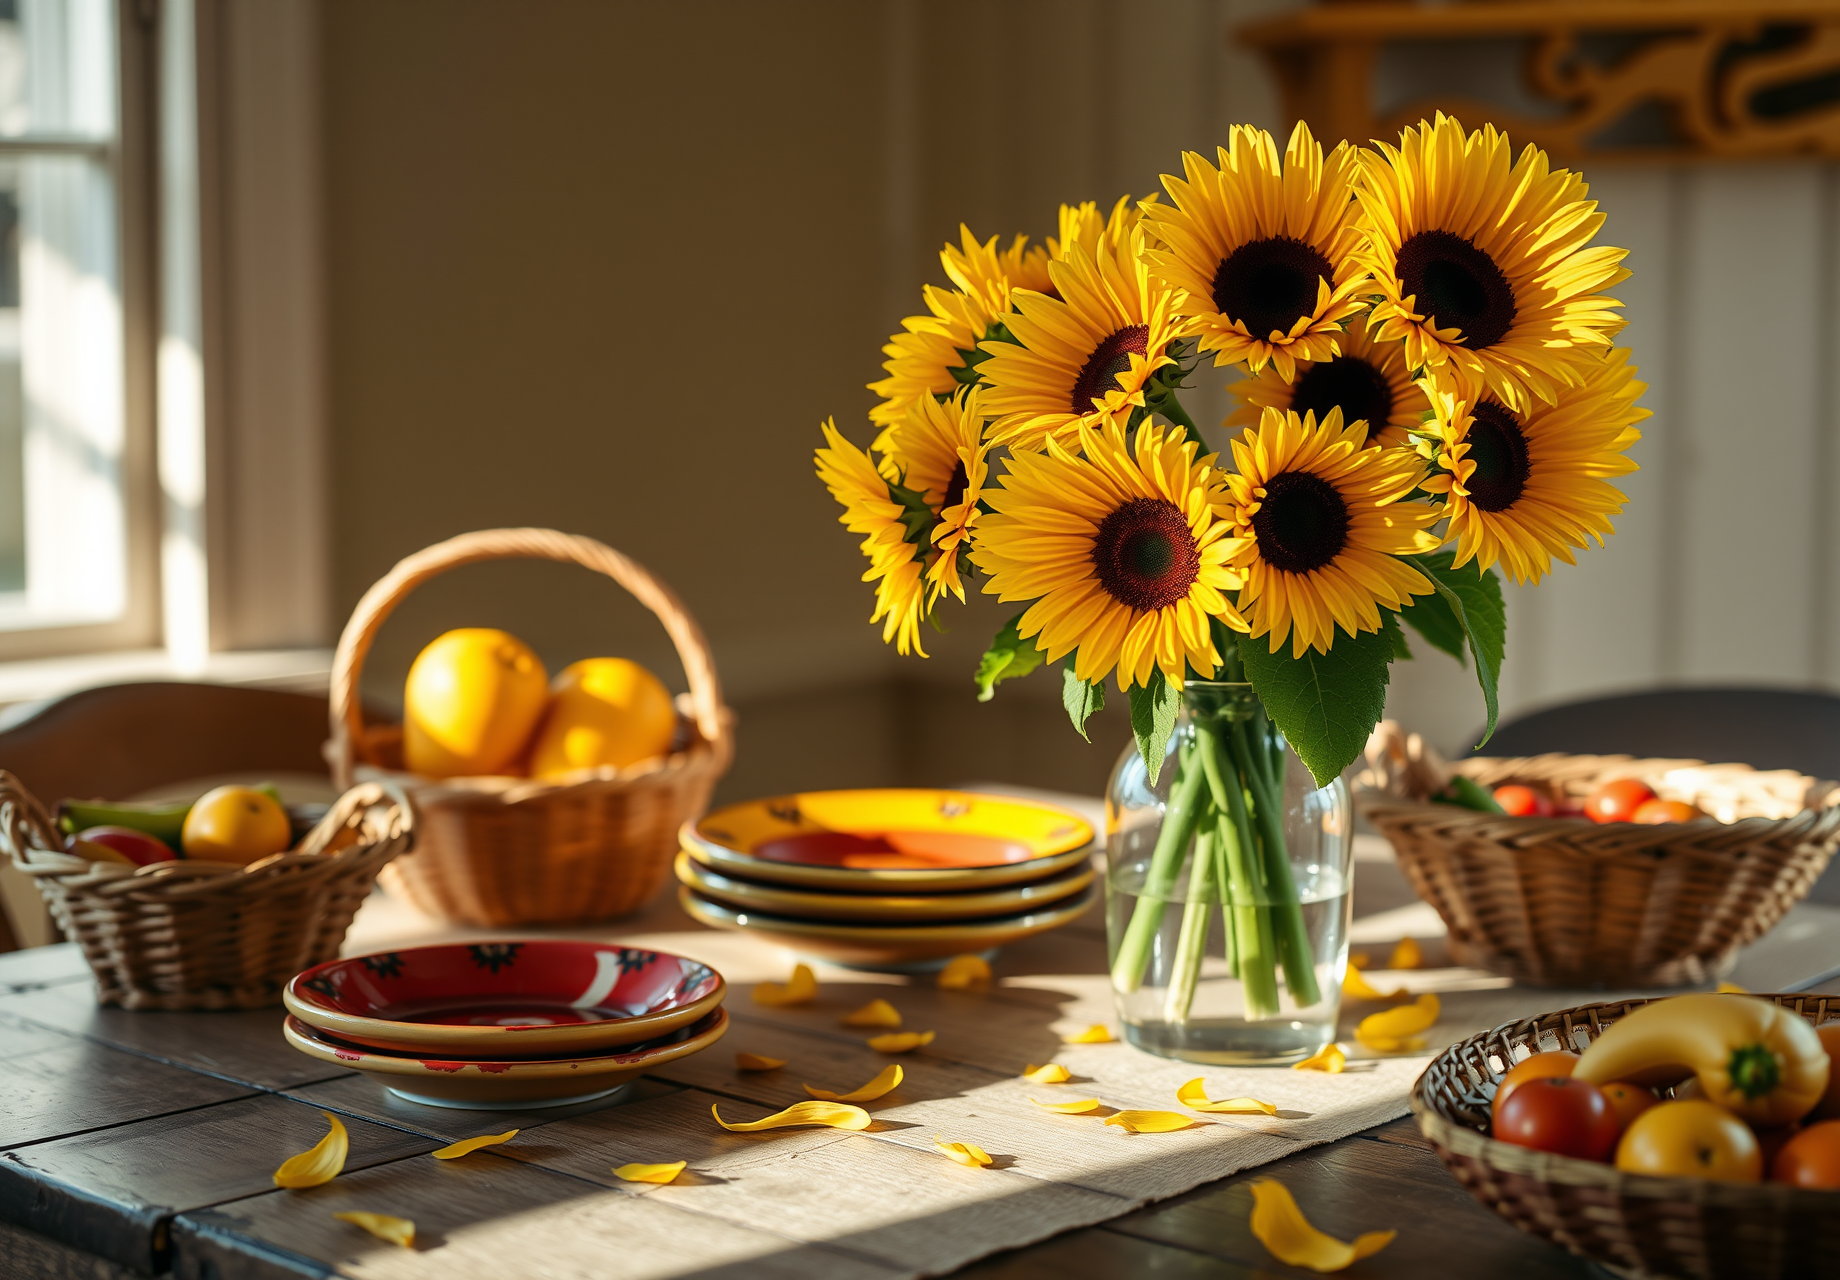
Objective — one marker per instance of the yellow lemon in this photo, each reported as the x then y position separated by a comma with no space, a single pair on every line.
235,824
471,702
603,711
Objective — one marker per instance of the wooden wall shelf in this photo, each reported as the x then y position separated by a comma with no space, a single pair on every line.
1713,78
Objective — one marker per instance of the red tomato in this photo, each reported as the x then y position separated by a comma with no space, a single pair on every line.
1556,1062
1811,1158
1565,1116
1523,802
1656,812
1617,801
136,846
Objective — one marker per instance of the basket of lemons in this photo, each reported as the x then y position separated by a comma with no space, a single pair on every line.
208,904
540,801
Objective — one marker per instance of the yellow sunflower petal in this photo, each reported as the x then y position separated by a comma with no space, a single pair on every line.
1331,1058
1053,1073
965,1153
1193,1095
321,1164
835,1115
1098,1033
1150,1121
1079,1106
799,989
1355,986
660,1173
1406,955
900,1041
468,1145
396,1230
877,1013
964,973
757,1062
884,1083
1405,1020
1281,1227
1733,989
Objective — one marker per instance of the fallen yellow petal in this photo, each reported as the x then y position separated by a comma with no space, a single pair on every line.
963,973
396,1230
468,1145
886,1082
1391,1044
1355,986
877,1013
1331,1058
1078,1106
321,1164
1193,1095
1406,955
1150,1121
964,1152
754,1062
1398,1023
1053,1073
836,1115
799,989
1095,1034
900,1041
1733,989
1281,1227
1359,959
650,1172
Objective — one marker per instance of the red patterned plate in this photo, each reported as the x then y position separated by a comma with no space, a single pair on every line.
504,1000
505,1086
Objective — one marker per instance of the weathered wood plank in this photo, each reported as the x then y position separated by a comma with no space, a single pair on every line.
38,966
18,1038
1096,1253
27,1254
486,1217
113,1192
81,1086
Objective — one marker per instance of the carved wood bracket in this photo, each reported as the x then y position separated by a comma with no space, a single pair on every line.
1663,78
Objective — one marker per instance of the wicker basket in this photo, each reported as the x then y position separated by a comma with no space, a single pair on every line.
503,851
1630,1222
1566,902
207,935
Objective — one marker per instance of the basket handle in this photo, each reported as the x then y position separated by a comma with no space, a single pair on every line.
410,572
27,823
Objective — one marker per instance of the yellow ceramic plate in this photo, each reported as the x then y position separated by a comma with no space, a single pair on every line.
915,840
873,907
873,946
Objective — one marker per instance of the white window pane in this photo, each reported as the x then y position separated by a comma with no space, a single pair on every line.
57,67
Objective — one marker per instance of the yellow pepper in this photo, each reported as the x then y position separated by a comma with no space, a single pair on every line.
1753,1058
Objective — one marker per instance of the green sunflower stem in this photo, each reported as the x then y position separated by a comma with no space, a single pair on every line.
1171,408
1172,847
1286,913
1254,943
1223,831
1197,921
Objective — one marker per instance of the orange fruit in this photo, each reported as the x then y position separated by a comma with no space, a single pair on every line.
235,824
1628,1100
1811,1158
1654,813
471,702
1690,1140
603,712
1828,1108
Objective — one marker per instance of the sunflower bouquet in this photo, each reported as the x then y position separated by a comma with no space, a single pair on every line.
1430,396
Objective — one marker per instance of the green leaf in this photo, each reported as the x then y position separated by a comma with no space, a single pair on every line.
1081,698
1153,719
1432,617
1009,656
1325,704
1389,625
1475,600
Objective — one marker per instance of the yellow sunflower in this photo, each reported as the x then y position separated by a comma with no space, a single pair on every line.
938,450
894,567
1322,527
1261,255
1119,547
923,355
1369,382
1486,266
1084,355
1521,488
984,271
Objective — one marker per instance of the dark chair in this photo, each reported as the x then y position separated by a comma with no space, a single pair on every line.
1764,728
121,740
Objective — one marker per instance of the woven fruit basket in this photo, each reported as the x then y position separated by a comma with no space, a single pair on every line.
187,934
1633,1223
501,851
1565,902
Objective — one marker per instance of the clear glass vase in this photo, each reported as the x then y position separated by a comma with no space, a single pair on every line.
1227,889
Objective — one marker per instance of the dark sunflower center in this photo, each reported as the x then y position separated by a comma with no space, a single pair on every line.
1110,359
1302,524
1145,555
955,487
1350,384
1457,285
1269,284
1498,447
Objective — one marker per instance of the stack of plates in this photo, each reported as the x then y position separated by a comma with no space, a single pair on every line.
889,878
506,1025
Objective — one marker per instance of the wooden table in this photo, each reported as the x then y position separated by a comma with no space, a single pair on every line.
144,1143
